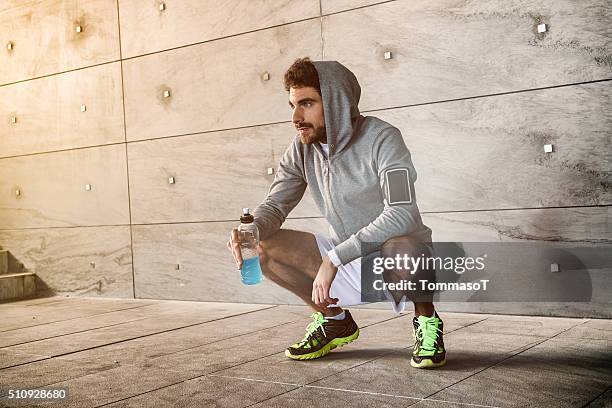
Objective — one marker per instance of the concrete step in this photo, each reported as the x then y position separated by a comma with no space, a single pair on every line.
17,285
4,261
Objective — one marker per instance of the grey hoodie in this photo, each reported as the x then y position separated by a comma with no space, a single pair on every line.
364,188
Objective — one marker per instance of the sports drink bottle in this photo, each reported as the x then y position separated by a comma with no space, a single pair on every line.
249,240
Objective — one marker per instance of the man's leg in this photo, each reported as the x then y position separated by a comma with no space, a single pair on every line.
428,328
408,245
292,259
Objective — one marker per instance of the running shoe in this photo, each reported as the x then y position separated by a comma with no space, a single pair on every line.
428,349
322,336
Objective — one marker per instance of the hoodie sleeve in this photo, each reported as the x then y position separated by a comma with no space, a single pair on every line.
285,193
400,215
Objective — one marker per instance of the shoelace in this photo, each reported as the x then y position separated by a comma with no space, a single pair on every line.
427,334
318,321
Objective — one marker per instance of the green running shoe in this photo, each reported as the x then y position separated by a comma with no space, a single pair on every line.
322,336
428,342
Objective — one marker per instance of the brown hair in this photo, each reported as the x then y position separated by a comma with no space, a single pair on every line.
302,73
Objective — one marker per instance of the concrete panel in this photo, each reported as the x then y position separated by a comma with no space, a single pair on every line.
580,226
215,175
52,188
50,115
45,38
569,226
335,6
7,5
216,85
206,268
61,258
439,50
145,28
207,271
488,153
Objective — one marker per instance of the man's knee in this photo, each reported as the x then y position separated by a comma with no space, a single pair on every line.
405,245
412,248
265,257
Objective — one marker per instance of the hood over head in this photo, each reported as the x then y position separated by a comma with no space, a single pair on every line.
340,93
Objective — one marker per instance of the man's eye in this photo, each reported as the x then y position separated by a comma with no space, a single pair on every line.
308,104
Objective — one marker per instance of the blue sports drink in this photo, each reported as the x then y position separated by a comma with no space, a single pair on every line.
249,240
251,271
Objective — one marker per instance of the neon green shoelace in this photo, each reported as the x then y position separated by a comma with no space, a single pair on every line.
427,333
318,321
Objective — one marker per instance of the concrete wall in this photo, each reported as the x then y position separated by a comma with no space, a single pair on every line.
475,88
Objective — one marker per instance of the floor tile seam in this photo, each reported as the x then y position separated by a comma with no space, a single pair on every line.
132,338
597,397
340,389
75,332
117,324
74,318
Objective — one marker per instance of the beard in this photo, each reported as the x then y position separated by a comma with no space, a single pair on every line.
315,134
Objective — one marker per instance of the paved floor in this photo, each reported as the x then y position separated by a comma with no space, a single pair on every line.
149,353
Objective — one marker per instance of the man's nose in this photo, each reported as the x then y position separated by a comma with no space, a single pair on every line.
297,116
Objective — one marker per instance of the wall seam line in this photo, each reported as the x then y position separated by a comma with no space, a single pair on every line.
127,161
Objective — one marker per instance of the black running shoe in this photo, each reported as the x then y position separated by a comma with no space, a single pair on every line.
428,342
322,336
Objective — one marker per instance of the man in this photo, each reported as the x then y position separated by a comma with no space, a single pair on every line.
361,177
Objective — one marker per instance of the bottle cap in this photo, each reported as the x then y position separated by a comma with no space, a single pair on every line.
246,218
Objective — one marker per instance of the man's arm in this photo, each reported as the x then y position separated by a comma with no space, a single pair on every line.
285,193
400,215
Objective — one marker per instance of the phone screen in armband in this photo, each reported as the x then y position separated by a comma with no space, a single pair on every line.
398,186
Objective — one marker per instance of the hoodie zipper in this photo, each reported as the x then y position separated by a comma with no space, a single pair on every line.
327,175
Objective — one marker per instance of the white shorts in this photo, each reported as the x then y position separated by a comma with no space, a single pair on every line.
347,283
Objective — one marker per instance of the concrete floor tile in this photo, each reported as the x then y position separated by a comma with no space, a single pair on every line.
124,331
61,328
43,314
9,358
569,355
391,336
596,329
526,325
225,354
322,397
510,385
602,401
467,353
207,392
374,341
140,350
235,351
49,371
120,382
